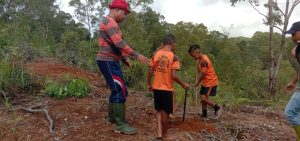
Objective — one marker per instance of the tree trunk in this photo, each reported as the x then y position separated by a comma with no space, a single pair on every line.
287,13
282,43
89,24
272,78
90,40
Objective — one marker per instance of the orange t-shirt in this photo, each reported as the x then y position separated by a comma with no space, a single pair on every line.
209,77
163,63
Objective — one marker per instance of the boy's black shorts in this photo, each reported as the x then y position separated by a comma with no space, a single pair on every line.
163,100
205,90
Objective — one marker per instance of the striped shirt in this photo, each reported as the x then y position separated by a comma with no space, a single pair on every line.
110,32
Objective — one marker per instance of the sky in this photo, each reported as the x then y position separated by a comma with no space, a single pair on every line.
241,20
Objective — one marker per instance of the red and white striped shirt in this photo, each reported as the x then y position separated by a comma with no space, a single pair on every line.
111,30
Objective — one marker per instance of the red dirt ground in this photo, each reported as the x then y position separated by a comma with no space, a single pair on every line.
83,119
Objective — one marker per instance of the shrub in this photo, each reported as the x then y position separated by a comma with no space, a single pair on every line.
72,87
135,76
12,76
78,88
56,90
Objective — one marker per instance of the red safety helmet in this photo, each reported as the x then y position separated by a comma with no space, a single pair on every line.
121,4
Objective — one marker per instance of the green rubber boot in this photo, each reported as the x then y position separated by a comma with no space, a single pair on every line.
110,118
297,129
119,115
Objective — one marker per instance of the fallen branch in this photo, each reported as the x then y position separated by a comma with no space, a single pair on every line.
101,105
44,110
189,136
209,135
4,93
4,96
236,132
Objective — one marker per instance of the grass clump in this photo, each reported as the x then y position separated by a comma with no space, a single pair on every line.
73,87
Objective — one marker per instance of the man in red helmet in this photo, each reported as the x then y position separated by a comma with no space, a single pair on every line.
112,49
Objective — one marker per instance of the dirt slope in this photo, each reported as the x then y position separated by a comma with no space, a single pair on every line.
83,119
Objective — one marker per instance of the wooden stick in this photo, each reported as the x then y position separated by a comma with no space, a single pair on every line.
196,89
101,105
189,136
42,110
209,135
184,106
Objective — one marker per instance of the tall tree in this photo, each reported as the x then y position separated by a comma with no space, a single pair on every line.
275,18
42,11
272,77
87,13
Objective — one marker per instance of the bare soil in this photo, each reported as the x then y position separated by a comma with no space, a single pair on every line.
83,119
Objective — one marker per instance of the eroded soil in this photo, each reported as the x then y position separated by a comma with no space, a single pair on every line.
83,119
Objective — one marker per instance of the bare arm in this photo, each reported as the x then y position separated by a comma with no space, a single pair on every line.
179,81
149,77
116,37
199,75
291,86
198,79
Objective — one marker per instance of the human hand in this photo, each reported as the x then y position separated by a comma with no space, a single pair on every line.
127,62
196,84
149,88
143,59
186,86
293,51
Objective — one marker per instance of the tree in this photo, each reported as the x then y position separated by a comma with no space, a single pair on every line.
275,18
41,10
87,13
61,22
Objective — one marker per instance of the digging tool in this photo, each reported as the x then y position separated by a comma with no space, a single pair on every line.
184,106
196,100
196,90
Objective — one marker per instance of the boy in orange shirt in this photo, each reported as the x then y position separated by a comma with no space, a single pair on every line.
163,66
208,80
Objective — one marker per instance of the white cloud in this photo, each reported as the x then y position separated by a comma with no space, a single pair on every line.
214,14
218,13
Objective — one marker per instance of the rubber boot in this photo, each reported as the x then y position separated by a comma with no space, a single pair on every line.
119,115
297,129
110,118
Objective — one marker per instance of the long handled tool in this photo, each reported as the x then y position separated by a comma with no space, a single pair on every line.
184,106
196,100
196,90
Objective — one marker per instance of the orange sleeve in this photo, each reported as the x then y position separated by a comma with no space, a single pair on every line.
203,66
175,65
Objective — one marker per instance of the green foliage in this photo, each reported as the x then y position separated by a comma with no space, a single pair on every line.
135,75
12,76
149,94
56,90
72,87
180,94
32,29
6,103
78,87
3,41
86,12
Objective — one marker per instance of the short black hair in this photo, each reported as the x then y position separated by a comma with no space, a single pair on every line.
169,39
193,47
